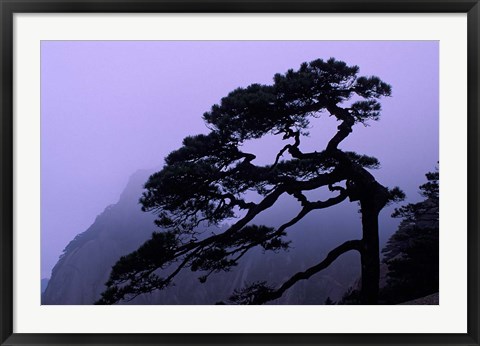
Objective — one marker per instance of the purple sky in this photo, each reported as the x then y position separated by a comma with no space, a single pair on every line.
109,108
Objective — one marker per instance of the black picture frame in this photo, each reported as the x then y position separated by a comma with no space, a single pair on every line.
9,8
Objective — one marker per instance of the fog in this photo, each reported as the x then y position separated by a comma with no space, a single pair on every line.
111,108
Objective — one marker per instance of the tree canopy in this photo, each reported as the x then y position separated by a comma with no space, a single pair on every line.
211,180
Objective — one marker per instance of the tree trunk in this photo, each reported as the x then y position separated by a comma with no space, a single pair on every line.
373,201
362,186
370,254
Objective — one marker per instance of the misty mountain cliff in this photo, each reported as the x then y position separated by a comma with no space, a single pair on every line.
84,267
43,284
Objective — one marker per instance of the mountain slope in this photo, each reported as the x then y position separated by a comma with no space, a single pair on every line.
81,271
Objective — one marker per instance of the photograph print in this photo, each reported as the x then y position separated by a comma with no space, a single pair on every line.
240,172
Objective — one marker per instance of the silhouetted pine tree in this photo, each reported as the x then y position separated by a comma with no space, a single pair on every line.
209,179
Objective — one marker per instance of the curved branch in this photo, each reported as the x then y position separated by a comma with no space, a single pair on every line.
279,155
331,257
344,129
331,201
267,202
307,208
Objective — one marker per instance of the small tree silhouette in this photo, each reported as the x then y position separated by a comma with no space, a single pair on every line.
209,180
412,252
